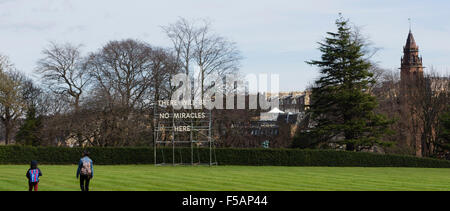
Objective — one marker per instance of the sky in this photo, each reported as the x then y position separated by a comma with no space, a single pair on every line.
273,36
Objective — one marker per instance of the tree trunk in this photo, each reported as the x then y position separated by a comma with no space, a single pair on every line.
7,123
77,112
350,147
418,145
7,132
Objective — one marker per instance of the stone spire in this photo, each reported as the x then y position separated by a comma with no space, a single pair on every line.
410,42
411,62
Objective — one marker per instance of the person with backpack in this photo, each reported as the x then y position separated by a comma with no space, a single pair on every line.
85,171
33,175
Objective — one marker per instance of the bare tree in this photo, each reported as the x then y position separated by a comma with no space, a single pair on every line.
183,34
416,102
117,86
57,124
214,55
431,103
379,75
12,104
129,75
122,69
196,44
164,67
62,70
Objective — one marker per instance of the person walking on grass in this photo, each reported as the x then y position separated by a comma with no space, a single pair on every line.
33,175
85,171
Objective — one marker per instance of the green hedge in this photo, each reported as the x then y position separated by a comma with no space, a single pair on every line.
272,157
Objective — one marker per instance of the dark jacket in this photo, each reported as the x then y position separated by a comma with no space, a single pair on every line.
33,166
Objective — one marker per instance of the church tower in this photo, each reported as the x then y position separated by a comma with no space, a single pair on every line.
410,85
411,63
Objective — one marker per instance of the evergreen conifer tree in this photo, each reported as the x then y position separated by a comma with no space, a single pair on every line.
27,133
342,109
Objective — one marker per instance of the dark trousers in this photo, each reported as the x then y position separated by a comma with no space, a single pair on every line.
84,182
32,185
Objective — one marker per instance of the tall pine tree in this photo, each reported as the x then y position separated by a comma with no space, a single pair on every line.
27,133
342,109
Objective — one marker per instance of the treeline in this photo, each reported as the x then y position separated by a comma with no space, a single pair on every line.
106,97
420,108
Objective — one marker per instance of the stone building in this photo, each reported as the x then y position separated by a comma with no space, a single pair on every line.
279,125
293,102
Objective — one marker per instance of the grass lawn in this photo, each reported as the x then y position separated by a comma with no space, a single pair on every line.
230,178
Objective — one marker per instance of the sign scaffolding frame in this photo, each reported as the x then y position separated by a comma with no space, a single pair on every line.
168,128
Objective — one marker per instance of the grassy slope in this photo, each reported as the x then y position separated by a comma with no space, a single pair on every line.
148,177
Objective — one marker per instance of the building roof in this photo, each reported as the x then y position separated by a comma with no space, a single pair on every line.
410,42
276,111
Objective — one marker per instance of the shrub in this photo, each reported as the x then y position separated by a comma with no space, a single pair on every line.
224,156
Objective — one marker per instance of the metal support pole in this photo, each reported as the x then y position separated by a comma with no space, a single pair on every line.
173,139
155,133
209,138
192,144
